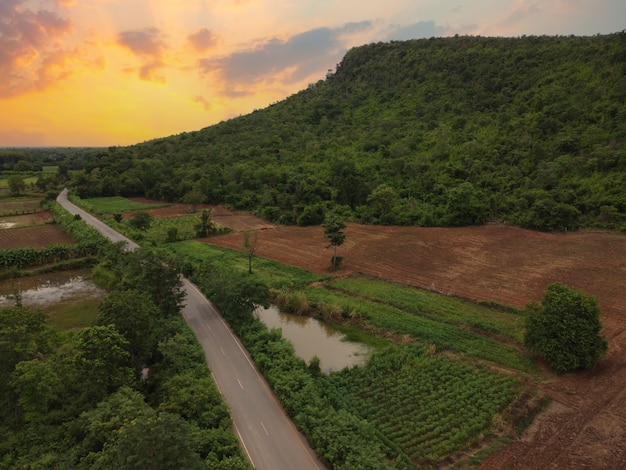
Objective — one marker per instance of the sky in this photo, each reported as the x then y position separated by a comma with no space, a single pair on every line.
119,72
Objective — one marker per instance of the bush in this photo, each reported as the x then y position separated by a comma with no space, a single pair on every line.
565,329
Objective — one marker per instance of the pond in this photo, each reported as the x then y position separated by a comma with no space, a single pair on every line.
311,337
46,289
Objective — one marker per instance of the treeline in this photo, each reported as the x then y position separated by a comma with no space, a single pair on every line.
131,391
528,131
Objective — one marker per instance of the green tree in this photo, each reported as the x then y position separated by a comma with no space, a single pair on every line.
565,329
36,385
134,314
101,362
206,225
381,200
250,244
152,441
334,224
141,220
193,198
16,185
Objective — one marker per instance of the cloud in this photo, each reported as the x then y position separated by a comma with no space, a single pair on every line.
149,46
202,40
522,10
142,42
203,101
31,52
421,29
285,61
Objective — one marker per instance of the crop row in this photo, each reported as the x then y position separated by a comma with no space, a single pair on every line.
429,406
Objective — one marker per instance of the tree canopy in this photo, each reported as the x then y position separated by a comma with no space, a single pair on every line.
565,329
463,130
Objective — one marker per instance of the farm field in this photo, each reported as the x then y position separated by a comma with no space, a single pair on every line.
23,224
585,425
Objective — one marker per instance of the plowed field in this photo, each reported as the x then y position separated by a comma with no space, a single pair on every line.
585,426
37,237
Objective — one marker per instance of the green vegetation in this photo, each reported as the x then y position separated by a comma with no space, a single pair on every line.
67,316
442,334
432,132
271,273
426,407
80,399
117,204
503,321
565,329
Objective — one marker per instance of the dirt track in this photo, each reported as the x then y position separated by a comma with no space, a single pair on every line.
585,426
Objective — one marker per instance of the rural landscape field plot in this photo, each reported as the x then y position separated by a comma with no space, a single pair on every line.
24,223
584,425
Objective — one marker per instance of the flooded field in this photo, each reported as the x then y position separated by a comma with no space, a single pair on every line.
311,337
46,289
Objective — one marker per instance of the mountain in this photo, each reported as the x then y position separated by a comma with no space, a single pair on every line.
529,131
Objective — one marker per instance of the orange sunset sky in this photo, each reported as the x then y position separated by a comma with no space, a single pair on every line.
118,72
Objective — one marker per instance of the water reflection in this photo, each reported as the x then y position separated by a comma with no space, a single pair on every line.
49,288
311,337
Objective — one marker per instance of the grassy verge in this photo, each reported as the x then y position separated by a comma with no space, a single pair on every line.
272,273
117,204
73,315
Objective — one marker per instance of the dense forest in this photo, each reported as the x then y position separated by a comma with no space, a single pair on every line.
528,131
131,391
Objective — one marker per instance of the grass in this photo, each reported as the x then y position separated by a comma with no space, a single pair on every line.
73,315
435,306
444,336
117,204
272,273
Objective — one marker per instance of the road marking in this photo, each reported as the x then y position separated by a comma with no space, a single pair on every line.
264,429
240,384
244,445
222,349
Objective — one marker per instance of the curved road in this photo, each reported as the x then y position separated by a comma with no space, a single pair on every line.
268,437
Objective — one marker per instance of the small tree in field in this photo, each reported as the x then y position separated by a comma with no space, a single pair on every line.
249,243
141,220
565,329
333,230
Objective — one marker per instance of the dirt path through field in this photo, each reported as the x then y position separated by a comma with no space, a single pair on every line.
585,426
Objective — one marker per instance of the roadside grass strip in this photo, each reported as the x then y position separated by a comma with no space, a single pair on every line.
272,273
118,204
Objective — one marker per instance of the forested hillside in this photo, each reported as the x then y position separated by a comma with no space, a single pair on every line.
529,131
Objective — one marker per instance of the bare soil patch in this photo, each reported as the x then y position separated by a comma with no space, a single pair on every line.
239,221
585,427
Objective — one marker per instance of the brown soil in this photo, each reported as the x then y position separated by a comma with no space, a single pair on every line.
585,425
36,237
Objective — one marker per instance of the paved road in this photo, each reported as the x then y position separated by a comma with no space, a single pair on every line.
269,439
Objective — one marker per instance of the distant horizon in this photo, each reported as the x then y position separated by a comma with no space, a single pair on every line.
101,73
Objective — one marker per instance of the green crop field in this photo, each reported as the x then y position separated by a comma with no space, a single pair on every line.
435,306
117,204
425,406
